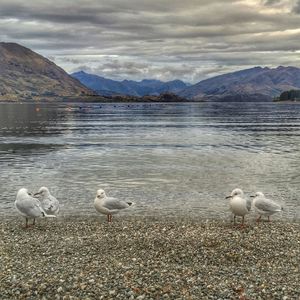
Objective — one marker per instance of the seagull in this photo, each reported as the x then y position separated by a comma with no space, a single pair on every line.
264,206
108,205
239,205
29,207
49,203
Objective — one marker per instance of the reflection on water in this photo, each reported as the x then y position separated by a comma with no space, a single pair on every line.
171,159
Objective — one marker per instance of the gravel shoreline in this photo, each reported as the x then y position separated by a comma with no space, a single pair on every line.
146,258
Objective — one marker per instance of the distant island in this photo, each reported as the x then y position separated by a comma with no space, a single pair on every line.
164,97
291,95
28,76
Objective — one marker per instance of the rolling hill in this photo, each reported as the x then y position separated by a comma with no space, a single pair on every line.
255,84
25,74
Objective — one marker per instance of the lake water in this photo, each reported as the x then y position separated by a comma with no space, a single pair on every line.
171,159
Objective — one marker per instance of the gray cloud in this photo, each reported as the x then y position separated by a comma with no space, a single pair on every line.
163,39
271,2
296,8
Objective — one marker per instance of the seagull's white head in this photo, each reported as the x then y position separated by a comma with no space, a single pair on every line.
43,191
23,192
259,194
236,192
100,194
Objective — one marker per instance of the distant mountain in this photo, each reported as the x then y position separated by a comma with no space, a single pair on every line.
255,84
25,74
104,86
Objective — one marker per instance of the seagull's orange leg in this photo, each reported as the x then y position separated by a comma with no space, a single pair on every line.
243,222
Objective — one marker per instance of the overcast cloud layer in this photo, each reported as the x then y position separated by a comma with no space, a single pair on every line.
166,39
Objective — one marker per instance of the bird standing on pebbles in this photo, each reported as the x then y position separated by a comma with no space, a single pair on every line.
264,206
29,207
108,205
239,205
49,203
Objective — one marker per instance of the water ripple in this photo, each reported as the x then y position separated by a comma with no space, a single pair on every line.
170,159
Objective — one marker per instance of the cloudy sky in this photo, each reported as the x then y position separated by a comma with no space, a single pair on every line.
163,39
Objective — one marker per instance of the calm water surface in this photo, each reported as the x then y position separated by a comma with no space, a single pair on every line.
171,159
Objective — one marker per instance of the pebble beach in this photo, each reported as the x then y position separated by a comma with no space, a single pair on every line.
148,258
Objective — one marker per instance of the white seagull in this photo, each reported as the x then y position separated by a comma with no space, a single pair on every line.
49,203
239,205
29,207
108,205
264,206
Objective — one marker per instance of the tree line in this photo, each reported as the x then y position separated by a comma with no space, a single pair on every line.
290,95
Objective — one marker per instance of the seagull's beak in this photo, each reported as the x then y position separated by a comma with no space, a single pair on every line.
252,196
36,194
227,197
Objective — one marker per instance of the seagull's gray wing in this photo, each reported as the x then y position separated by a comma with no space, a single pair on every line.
51,204
113,203
267,205
55,204
30,206
46,203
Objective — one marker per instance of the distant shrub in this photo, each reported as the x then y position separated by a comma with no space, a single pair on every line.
290,95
